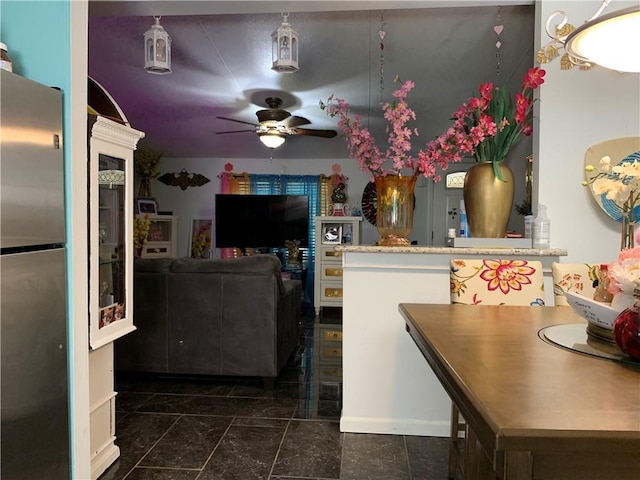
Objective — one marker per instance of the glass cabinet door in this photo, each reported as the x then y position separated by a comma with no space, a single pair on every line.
112,249
111,148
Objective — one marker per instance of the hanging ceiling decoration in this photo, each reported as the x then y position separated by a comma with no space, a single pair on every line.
284,52
111,177
157,49
183,179
609,41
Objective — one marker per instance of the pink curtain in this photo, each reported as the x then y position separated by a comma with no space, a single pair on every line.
225,187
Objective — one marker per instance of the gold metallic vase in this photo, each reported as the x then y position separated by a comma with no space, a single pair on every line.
394,209
488,201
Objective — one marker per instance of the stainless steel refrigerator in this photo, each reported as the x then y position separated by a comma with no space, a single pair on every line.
33,312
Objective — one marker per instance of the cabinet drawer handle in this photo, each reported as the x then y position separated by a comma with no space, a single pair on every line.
333,272
332,253
332,352
333,292
333,335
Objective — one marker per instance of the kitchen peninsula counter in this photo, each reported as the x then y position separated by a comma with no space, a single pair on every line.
387,385
457,251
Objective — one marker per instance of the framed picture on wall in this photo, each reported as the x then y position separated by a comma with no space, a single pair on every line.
200,238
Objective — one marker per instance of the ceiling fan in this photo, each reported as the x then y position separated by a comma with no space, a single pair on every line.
275,123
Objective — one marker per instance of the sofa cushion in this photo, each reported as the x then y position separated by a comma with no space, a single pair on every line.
153,265
256,264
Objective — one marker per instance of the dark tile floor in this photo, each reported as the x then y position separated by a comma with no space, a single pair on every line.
219,428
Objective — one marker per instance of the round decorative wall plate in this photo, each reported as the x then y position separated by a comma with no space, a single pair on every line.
370,203
620,150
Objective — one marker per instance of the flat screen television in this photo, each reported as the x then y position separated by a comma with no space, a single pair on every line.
261,221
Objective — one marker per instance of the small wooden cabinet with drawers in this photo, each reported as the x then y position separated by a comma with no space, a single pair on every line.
162,239
332,231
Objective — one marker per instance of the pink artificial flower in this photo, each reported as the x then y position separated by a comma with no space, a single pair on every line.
522,108
533,78
486,91
624,272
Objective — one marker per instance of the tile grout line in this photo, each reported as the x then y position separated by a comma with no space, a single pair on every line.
275,459
137,464
206,462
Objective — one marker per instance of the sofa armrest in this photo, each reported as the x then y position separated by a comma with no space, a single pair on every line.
288,320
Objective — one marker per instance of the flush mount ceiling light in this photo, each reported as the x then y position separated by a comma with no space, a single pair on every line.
609,41
284,51
272,138
157,48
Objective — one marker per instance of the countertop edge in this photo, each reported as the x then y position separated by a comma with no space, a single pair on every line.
530,252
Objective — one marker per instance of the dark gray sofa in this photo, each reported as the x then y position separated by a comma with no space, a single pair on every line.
211,317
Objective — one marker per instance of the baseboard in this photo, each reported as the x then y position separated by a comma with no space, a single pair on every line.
103,459
409,426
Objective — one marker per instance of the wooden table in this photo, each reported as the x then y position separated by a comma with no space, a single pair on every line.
534,410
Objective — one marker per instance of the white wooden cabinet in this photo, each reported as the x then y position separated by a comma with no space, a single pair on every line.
163,236
111,146
329,232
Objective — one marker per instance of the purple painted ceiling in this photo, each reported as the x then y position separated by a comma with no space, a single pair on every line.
221,67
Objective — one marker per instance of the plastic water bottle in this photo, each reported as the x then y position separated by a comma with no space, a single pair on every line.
464,227
541,229
528,226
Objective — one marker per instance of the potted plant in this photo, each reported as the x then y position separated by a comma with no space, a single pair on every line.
395,170
489,186
146,164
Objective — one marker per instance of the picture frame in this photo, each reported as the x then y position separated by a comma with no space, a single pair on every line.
200,238
146,205
332,234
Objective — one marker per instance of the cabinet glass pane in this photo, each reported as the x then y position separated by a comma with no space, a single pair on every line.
111,232
159,231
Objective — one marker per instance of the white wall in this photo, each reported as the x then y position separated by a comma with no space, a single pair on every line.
579,109
198,202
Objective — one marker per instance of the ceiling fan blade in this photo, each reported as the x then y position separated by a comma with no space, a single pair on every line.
238,121
314,133
236,131
295,121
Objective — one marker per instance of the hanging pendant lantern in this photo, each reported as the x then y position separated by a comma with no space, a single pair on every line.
157,48
284,52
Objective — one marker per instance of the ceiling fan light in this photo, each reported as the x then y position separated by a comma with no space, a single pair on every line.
271,139
284,51
157,49
610,41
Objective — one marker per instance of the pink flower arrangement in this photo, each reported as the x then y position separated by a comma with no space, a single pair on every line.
625,271
485,126
512,117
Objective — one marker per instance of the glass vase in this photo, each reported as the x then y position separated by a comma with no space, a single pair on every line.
628,228
144,191
394,209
